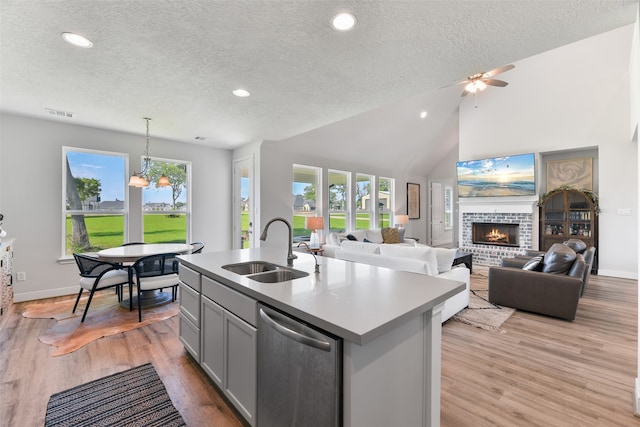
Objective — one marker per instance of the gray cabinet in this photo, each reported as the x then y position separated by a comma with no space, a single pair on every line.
189,325
218,328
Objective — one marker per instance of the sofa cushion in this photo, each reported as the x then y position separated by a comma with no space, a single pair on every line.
364,247
423,253
360,235
558,259
576,244
374,236
534,264
390,235
445,258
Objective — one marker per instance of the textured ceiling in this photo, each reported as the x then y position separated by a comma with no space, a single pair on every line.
177,61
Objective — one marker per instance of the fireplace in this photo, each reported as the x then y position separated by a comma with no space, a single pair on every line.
496,234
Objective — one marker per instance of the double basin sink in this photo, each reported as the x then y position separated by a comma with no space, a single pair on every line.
265,272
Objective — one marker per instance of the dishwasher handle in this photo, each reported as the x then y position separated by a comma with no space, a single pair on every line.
296,336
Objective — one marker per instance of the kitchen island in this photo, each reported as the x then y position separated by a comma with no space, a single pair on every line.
389,322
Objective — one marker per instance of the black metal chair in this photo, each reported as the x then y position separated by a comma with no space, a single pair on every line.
197,247
153,272
96,275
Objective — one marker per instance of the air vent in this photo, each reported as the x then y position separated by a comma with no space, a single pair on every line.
59,113
200,138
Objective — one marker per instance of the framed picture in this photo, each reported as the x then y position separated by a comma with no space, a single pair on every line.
413,200
577,173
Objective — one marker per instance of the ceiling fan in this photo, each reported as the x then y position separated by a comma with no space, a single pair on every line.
480,81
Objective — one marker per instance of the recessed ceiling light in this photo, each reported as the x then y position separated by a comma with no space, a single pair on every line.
77,40
423,115
241,93
343,21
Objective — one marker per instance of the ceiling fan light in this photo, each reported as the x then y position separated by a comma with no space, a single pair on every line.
471,87
480,85
163,181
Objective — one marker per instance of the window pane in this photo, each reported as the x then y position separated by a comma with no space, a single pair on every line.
94,182
364,207
165,228
305,198
385,202
338,200
165,217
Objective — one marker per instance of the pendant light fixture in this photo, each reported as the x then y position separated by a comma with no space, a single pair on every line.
141,179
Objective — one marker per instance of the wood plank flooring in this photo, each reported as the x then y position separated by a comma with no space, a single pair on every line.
541,372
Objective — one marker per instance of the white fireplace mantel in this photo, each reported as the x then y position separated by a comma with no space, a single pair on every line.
522,204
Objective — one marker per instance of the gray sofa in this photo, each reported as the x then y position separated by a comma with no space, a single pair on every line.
549,284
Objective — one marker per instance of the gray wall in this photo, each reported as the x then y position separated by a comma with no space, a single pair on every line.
31,194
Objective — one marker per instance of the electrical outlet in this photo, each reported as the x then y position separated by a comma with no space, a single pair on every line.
624,211
21,276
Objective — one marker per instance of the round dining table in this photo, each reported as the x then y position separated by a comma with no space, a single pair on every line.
131,253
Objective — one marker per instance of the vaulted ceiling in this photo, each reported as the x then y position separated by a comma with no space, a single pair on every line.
178,61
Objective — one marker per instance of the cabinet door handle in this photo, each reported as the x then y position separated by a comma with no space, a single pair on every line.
296,336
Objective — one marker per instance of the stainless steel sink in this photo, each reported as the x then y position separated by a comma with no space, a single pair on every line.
278,276
251,267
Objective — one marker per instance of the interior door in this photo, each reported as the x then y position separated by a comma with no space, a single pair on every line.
243,202
440,234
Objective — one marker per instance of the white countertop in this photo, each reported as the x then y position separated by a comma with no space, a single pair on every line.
357,302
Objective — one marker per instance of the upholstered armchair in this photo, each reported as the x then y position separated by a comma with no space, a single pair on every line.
549,284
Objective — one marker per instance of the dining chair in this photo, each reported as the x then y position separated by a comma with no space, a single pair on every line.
153,272
197,247
96,275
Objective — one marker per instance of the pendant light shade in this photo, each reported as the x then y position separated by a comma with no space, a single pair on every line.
141,179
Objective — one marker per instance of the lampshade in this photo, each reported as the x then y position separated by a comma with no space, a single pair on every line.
314,223
402,219
163,181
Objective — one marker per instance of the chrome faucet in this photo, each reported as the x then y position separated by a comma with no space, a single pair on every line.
263,237
314,255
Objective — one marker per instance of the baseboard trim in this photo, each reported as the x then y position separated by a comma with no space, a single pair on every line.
49,293
618,274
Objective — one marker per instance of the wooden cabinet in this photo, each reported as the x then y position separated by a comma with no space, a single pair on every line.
568,214
6,282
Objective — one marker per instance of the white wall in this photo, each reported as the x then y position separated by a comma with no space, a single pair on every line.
276,195
31,190
572,97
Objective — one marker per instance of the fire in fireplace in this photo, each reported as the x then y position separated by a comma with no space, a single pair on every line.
497,234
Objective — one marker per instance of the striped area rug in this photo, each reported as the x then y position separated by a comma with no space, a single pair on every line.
135,397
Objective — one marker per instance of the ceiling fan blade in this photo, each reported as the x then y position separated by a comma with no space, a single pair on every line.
495,82
499,70
464,93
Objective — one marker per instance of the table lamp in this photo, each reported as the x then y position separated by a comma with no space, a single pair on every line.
314,223
402,220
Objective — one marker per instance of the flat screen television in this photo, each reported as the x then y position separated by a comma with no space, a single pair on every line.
498,176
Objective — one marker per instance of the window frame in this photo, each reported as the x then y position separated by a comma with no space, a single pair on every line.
85,213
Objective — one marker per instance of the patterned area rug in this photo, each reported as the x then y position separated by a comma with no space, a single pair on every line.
483,314
105,318
135,397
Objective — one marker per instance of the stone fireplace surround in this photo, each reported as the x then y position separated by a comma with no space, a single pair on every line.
522,211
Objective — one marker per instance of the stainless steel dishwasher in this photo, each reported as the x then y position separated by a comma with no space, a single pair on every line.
299,373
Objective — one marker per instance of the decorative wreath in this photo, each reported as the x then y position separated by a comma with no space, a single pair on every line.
590,194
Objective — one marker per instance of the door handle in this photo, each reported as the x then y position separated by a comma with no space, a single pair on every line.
296,336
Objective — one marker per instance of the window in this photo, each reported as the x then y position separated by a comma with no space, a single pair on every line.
364,201
306,197
448,207
95,206
339,196
385,202
166,212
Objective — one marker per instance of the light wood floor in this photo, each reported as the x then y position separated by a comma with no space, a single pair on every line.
541,372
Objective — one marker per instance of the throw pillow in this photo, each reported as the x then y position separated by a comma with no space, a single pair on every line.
375,236
558,259
576,244
401,234
445,258
351,237
534,264
390,235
